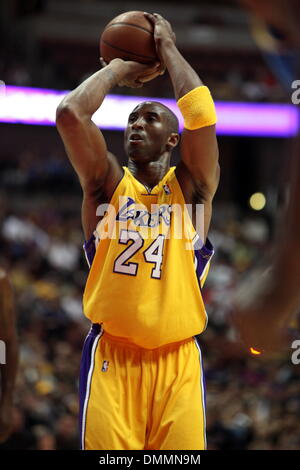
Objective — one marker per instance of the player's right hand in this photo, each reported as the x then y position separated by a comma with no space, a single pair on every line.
136,74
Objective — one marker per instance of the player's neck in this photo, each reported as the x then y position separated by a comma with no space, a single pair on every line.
149,173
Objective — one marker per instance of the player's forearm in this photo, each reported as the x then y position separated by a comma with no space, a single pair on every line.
183,76
89,95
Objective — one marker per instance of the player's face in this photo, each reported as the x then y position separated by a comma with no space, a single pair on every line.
147,133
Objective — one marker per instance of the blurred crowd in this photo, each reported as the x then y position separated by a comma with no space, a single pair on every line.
252,402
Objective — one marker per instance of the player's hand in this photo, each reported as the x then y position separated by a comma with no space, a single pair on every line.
6,421
163,33
136,74
162,28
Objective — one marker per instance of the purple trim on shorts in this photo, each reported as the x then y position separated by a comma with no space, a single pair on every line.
85,365
203,384
197,338
203,255
90,250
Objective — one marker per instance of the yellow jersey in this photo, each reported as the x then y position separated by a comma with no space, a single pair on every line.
147,266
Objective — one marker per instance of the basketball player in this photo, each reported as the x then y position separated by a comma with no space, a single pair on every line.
141,383
267,301
9,355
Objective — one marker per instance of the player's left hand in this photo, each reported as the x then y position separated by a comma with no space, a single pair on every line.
162,28
163,33
6,421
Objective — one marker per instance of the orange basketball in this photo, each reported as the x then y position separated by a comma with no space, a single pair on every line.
129,36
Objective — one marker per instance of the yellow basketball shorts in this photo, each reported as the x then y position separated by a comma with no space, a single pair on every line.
139,399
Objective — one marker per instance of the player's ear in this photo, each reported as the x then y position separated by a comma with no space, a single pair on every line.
172,140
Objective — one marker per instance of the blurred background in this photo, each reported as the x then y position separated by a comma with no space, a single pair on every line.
252,402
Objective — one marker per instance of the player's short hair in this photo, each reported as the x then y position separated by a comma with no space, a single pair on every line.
171,117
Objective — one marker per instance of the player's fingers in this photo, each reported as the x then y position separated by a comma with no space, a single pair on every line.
162,67
157,16
138,84
158,69
173,35
154,65
102,62
149,16
148,69
148,78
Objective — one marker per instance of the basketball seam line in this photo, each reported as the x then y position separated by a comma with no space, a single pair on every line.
127,52
130,24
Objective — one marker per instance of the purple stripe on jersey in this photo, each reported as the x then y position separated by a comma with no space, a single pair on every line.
203,255
90,250
85,365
